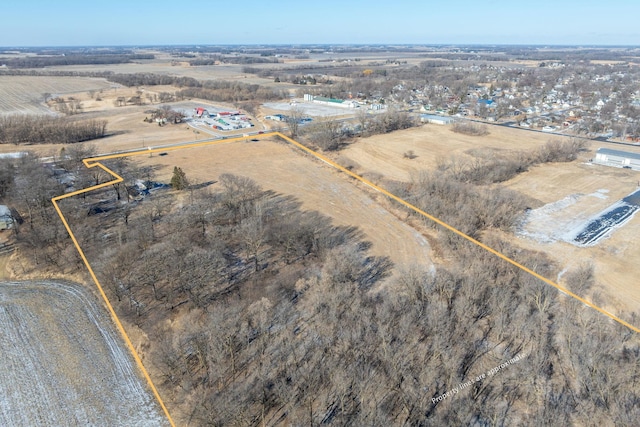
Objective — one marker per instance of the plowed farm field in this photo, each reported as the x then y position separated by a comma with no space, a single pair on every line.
24,94
64,364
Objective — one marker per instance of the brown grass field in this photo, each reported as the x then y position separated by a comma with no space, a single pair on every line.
280,168
274,166
431,143
616,272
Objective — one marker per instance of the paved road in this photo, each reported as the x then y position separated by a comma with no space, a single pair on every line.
512,125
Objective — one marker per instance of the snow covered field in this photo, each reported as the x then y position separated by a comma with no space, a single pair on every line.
64,364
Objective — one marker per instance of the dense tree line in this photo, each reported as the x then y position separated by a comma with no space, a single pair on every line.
330,134
457,191
470,128
465,206
326,133
212,90
465,56
235,50
389,121
225,91
151,79
217,59
84,50
499,168
29,129
46,129
573,55
56,73
73,59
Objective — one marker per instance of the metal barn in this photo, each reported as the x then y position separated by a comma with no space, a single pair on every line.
617,158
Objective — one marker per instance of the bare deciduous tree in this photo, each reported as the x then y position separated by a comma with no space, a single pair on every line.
294,116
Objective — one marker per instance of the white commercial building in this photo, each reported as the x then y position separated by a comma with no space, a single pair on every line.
616,158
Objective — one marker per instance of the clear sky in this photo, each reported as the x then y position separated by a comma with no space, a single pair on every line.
162,22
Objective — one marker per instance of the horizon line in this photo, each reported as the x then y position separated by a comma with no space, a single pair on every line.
196,45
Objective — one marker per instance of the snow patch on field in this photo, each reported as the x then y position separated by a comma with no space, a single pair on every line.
600,194
574,219
63,363
546,224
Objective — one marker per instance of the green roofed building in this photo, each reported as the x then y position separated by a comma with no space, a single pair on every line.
328,100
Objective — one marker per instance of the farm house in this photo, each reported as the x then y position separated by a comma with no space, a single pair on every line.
616,158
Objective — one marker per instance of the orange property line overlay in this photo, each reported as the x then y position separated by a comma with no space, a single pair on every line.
95,162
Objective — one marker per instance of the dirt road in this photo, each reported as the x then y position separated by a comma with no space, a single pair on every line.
64,364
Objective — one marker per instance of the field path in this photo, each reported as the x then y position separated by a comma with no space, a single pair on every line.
64,364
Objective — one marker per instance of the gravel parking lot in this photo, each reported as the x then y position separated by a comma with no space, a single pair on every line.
312,109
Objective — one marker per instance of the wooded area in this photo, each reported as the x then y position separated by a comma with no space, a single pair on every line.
503,167
31,129
258,312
